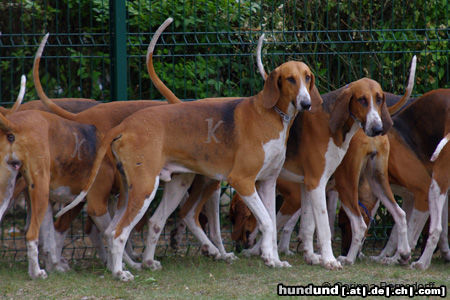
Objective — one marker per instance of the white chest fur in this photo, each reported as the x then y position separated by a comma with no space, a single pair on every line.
274,155
335,154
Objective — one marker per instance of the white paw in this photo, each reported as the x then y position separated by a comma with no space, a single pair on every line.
390,260
124,276
269,261
228,257
282,264
152,265
62,267
418,265
311,258
332,264
38,274
206,251
345,260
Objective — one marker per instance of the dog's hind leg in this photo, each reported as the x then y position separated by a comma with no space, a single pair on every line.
287,222
212,208
174,191
129,215
437,198
443,239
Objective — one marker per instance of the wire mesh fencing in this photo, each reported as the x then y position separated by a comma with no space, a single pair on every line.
97,50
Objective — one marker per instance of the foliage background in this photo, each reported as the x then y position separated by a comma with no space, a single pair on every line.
209,49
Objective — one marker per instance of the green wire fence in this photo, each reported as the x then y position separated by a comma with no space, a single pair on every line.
97,50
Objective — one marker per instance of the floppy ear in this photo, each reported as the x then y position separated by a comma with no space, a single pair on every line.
271,91
316,99
385,116
340,112
312,83
5,124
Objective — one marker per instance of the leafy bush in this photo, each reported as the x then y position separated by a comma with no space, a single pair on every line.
209,49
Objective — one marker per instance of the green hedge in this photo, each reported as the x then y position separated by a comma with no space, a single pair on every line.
209,49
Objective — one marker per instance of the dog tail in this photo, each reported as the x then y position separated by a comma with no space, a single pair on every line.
101,152
162,88
440,146
23,81
258,57
412,73
5,124
40,91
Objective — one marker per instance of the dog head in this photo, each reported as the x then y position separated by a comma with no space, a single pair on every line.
291,85
243,221
364,101
10,163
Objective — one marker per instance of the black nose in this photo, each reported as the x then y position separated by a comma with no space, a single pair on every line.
306,106
377,130
15,164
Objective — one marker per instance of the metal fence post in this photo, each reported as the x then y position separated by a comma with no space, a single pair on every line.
118,48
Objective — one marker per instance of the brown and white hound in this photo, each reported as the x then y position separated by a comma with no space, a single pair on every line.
368,110
311,159
242,141
28,140
418,137
38,134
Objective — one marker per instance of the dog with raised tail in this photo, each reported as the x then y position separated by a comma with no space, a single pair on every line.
242,141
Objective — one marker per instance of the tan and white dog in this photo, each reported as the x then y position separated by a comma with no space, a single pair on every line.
242,141
317,145
33,147
419,163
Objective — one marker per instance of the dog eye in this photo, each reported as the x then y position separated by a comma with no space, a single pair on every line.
379,100
363,101
291,80
10,137
307,78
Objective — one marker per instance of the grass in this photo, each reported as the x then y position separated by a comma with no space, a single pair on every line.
196,276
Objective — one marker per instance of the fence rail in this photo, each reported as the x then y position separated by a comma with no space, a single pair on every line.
97,50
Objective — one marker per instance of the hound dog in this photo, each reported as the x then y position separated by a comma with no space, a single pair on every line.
151,144
360,104
365,161
311,159
19,185
29,135
73,105
418,161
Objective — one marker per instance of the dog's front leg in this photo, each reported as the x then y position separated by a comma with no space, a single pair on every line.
307,228
318,202
39,192
247,191
266,190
